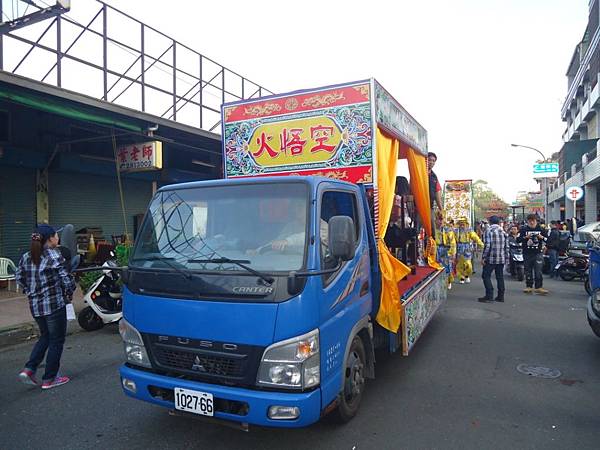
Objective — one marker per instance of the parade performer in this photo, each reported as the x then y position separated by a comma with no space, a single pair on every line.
446,247
465,239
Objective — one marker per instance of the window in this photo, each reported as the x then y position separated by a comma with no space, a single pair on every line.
335,203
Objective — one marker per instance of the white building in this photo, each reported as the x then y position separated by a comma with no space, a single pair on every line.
579,164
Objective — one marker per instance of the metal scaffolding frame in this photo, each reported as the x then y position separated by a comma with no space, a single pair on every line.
219,81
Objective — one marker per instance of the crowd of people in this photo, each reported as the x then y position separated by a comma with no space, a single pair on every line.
457,243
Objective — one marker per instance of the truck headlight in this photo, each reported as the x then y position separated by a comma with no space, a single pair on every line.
135,351
293,363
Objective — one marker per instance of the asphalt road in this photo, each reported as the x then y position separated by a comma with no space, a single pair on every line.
460,388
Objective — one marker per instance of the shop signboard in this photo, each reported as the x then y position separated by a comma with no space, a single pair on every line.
140,157
326,132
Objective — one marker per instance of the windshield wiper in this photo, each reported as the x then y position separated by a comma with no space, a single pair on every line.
238,262
166,259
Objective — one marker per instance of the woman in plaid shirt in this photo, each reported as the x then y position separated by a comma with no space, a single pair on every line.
43,276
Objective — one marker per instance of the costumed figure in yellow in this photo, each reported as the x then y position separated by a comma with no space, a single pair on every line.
446,247
466,238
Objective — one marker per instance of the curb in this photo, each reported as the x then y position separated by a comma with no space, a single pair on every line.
16,334
25,332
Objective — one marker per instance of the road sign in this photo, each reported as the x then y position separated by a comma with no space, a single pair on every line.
574,193
545,170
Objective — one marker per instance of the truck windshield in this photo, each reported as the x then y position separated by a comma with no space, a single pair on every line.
262,226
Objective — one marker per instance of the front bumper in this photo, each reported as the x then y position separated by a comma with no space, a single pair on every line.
236,404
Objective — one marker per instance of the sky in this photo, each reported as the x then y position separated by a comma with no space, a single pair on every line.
477,74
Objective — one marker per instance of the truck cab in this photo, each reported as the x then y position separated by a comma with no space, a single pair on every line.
234,291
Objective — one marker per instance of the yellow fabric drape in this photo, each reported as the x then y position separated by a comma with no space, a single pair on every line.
419,185
392,270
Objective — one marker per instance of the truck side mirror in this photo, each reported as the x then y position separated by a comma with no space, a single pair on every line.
342,239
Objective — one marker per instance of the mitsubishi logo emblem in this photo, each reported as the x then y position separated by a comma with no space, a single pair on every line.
198,367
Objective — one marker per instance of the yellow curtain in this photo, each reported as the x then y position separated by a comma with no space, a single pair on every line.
419,185
392,270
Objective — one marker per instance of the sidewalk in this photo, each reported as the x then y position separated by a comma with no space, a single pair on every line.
16,323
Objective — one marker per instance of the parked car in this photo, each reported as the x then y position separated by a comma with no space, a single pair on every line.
592,228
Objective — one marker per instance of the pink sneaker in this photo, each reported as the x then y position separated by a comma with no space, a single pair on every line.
57,381
27,376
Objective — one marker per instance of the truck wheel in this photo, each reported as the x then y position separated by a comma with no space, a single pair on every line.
587,286
354,382
89,320
595,328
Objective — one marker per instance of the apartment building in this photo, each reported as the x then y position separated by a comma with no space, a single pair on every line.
579,164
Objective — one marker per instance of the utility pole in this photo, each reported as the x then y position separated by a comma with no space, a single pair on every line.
544,180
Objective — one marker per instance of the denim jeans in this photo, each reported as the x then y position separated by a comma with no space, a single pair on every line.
553,257
486,274
533,269
53,329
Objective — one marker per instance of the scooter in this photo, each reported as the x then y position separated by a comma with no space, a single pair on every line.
517,265
574,266
103,299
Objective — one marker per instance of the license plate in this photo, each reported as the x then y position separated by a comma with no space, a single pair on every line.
194,401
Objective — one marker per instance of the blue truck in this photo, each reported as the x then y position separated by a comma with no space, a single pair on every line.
260,298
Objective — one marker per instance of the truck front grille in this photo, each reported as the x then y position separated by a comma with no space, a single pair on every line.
210,361
199,362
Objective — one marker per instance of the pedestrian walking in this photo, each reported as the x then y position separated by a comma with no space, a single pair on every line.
43,276
532,237
495,255
553,247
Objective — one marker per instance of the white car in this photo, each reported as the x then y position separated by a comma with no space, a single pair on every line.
592,228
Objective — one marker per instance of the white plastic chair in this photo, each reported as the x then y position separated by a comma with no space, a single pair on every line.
8,272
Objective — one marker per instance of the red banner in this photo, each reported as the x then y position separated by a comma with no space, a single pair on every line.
362,174
297,103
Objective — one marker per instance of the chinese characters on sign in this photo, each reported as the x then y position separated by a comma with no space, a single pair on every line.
545,170
140,157
323,132
290,142
574,193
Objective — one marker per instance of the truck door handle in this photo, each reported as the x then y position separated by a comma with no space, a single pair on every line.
364,289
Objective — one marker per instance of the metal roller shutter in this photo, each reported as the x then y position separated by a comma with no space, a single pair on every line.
17,211
93,201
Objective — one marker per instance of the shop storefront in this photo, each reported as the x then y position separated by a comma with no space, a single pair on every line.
57,162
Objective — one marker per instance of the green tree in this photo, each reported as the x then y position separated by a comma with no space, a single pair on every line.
486,201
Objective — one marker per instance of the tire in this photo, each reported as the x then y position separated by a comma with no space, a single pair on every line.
566,275
89,320
520,273
588,287
595,328
354,382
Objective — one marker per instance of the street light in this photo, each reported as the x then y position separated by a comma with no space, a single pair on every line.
544,159
545,183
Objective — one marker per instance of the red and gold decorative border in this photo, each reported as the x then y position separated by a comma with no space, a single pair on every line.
302,102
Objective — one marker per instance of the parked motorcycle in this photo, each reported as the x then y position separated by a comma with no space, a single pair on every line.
517,265
574,266
103,299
